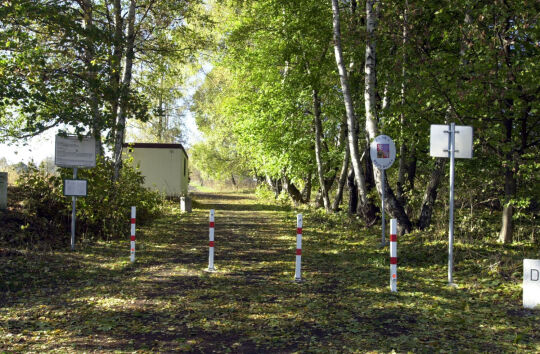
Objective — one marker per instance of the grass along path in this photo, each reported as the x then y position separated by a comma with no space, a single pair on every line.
94,299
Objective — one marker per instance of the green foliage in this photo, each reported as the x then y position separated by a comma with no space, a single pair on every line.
103,214
105,211
264,193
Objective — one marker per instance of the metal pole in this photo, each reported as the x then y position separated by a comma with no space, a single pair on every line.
132,242
211,244
298,266
393,255
382,207
451,150
73,213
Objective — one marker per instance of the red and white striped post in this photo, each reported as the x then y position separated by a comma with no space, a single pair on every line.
297,273
393,255
133,213
211,244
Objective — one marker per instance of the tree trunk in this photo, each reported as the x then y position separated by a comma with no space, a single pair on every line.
344,165
368,210
318,158
506,235
395,209
274,185
306,191
430,195
116,63
411,167
293,192
124,91
91,75
328,182
402,167
403,143
342,180
353,192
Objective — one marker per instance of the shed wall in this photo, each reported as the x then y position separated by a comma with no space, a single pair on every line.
164,169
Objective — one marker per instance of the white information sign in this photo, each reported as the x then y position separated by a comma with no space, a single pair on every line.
72,152
383,152
75,187
438,141
531,283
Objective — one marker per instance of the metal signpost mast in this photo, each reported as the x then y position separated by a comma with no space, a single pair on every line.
451,152
73,213
445,143
383,241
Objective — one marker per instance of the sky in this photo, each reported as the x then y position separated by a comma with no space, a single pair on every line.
41,147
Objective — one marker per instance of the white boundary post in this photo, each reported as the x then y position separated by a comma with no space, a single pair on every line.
211,244
393,255
297,273
133,220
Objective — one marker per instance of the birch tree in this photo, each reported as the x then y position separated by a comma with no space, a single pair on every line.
367,208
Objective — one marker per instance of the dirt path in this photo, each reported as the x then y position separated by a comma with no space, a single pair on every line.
96,300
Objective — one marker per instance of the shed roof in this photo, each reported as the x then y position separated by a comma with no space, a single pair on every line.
155,146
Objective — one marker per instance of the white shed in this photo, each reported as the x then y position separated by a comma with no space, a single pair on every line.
164,166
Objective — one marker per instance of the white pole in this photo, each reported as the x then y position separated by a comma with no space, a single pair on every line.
451,149
383,241
393,255
133,220
297,273
73,213
211,244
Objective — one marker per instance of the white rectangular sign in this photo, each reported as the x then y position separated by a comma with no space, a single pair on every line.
438,141
531,283
75,187
72,152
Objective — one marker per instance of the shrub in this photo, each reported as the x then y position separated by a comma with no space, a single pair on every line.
104,213
264,193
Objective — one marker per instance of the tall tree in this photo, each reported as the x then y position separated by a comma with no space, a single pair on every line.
365,204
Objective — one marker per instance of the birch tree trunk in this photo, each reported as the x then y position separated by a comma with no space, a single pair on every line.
395,208
368,210
344,166
318,158
124,90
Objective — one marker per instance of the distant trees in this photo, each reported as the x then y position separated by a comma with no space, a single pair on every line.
298,89
399,66
89,64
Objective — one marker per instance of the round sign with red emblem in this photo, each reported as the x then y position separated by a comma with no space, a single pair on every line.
383,152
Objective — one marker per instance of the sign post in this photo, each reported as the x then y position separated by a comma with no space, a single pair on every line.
383,154
72,152
445,143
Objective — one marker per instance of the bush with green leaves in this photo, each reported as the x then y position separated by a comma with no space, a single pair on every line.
105,212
